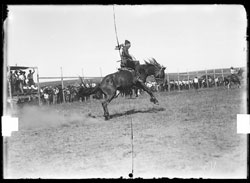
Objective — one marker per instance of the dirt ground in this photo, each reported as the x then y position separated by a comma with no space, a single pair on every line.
190,134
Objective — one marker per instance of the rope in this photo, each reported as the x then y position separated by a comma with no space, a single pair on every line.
116,32
131,122
132,145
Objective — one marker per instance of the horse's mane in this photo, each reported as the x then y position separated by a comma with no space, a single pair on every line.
153,62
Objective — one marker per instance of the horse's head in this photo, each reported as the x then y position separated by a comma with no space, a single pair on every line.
160,73
159,70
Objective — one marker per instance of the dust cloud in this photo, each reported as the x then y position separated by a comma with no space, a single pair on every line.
35,117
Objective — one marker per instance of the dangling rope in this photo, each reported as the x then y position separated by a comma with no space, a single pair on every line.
132,150
116,32
132,145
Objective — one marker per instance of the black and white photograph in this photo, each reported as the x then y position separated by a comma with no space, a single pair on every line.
125,91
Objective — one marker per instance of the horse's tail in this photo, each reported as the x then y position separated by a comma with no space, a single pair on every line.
93,90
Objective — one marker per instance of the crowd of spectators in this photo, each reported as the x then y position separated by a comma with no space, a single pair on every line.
21,82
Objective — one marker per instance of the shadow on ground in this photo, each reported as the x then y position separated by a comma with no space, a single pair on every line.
130,112
134,111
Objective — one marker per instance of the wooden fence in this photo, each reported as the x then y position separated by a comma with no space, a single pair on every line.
187,76
63,82
179,76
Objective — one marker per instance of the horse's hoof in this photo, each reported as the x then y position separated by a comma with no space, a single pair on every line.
107,118
155,101
152,100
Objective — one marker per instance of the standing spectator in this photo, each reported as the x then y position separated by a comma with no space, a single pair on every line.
21,81
55,93
30,78
24,78
196,83
16,73
16,82
210,81
232,70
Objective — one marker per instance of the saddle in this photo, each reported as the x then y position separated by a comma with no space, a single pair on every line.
133,72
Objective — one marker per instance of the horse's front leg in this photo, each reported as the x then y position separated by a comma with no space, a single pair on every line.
145,88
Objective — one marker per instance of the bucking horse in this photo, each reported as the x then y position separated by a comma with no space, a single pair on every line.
125,79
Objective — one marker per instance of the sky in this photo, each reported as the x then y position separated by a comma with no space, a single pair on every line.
81,38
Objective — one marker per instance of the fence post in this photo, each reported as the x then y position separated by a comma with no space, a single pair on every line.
62,85
178,81
101,72
207,79
214,79
188,80
39,89
82,74
198,79
222,76
168,82
10,90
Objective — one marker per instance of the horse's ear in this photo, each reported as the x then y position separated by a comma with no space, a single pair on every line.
146,62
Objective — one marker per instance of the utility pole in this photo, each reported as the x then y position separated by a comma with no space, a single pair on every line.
38,86
62,85
82,73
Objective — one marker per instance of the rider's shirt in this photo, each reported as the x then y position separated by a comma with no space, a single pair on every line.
125,53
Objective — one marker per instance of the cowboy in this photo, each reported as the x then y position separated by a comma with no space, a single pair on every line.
125,56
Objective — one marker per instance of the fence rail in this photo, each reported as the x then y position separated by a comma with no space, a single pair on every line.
187,76
178,76
67,77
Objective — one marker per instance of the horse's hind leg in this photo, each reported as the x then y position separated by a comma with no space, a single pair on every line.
110,97
145,88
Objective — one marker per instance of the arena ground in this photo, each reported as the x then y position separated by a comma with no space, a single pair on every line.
190,134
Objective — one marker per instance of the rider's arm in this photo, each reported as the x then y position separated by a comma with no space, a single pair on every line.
119,47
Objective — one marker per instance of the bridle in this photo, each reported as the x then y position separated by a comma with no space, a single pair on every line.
158,78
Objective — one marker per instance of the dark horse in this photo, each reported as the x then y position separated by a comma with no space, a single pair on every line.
233,78
125,79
